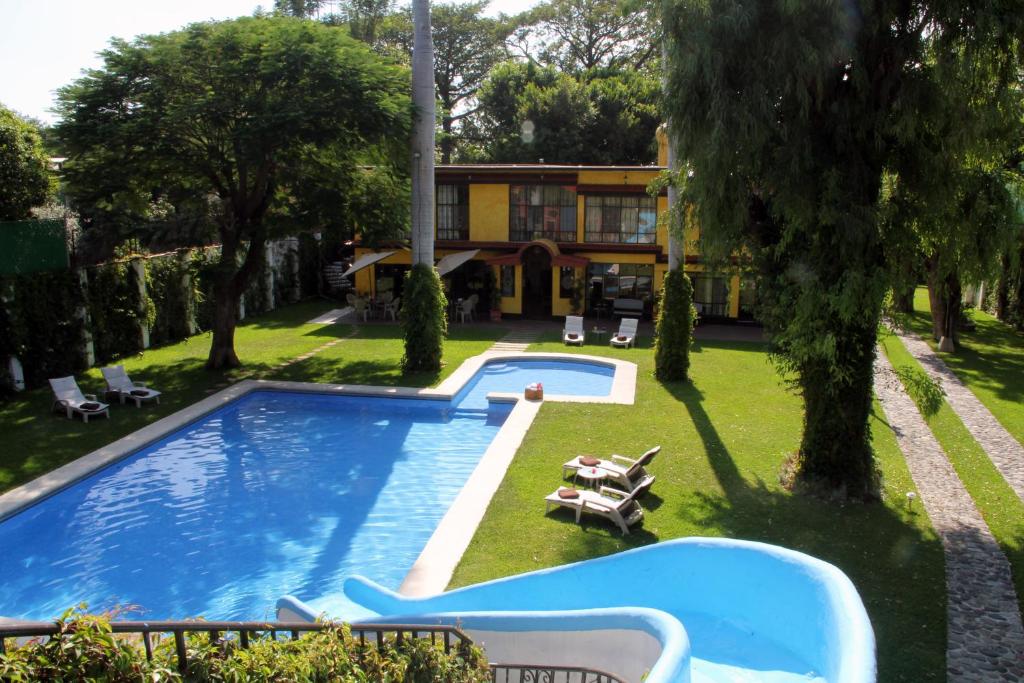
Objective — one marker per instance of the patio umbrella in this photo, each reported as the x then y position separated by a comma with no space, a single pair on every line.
366,260
453,261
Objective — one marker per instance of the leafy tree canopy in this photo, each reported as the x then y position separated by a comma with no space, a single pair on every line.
790,116
529,112
25,179
243,114
581,35
467,45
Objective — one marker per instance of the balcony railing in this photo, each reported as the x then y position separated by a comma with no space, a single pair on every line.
244,631
531,673
526,235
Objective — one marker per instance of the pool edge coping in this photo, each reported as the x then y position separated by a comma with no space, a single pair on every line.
430,567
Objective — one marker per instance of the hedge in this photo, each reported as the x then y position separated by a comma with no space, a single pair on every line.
86,650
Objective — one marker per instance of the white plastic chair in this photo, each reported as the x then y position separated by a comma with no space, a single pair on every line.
467,308
391,308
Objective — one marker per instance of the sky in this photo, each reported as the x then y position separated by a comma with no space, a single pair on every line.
45,44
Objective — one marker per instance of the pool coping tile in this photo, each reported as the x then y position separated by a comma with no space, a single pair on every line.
437,561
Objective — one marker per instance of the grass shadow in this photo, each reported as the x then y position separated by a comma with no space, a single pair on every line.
895,563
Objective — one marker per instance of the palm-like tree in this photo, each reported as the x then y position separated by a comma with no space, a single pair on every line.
423,136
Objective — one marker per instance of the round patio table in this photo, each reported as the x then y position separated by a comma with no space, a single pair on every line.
591,476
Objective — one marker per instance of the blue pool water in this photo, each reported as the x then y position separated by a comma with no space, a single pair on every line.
275,493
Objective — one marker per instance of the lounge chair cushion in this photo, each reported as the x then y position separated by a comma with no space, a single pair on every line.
568,493
589,461
90,405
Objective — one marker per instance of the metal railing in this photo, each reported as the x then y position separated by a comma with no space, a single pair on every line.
532,673
247,631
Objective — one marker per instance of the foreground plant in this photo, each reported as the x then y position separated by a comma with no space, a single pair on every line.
86,649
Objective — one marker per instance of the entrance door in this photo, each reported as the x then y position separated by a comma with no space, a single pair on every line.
536,283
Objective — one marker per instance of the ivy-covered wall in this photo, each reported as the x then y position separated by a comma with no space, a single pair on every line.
117,310
47,319
42,324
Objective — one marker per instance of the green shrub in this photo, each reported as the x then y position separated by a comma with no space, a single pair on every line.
924,391
674,328
86,650
423,320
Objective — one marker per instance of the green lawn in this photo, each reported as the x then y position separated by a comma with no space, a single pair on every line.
724,439
36,440
999,505
990,361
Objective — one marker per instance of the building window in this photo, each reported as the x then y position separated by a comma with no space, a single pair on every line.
542,212
452,208
508,280
627,219
711,296
619,281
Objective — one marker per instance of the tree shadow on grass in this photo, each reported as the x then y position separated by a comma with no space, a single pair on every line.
898,570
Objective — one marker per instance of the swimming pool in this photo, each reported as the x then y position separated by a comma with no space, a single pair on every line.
276,492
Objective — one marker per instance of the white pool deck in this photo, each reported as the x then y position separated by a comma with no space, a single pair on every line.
433,568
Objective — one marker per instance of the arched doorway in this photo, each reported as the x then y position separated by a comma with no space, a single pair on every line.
536,282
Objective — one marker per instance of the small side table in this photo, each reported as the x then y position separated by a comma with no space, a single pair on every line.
591,476
601,334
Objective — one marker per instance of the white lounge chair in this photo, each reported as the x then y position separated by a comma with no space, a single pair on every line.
573,332
613,504
68,396
119,383
626,335
628,473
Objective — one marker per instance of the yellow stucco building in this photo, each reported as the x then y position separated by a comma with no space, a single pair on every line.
552,233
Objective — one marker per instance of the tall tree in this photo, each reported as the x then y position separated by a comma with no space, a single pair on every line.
789,116
423,319
580,35
529,112
25,179
237,110
467,45
423,136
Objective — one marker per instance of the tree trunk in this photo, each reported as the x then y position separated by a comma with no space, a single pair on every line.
835,449
903,299
1003,288
944,296
446,140
225,318
231,282
423,136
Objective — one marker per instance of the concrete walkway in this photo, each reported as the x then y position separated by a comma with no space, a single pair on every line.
1005,452
985,637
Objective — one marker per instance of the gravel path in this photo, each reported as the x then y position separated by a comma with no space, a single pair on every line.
1005,452
985,638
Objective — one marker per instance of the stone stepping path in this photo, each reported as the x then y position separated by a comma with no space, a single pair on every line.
309,354
1005,452
985,637
519,338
